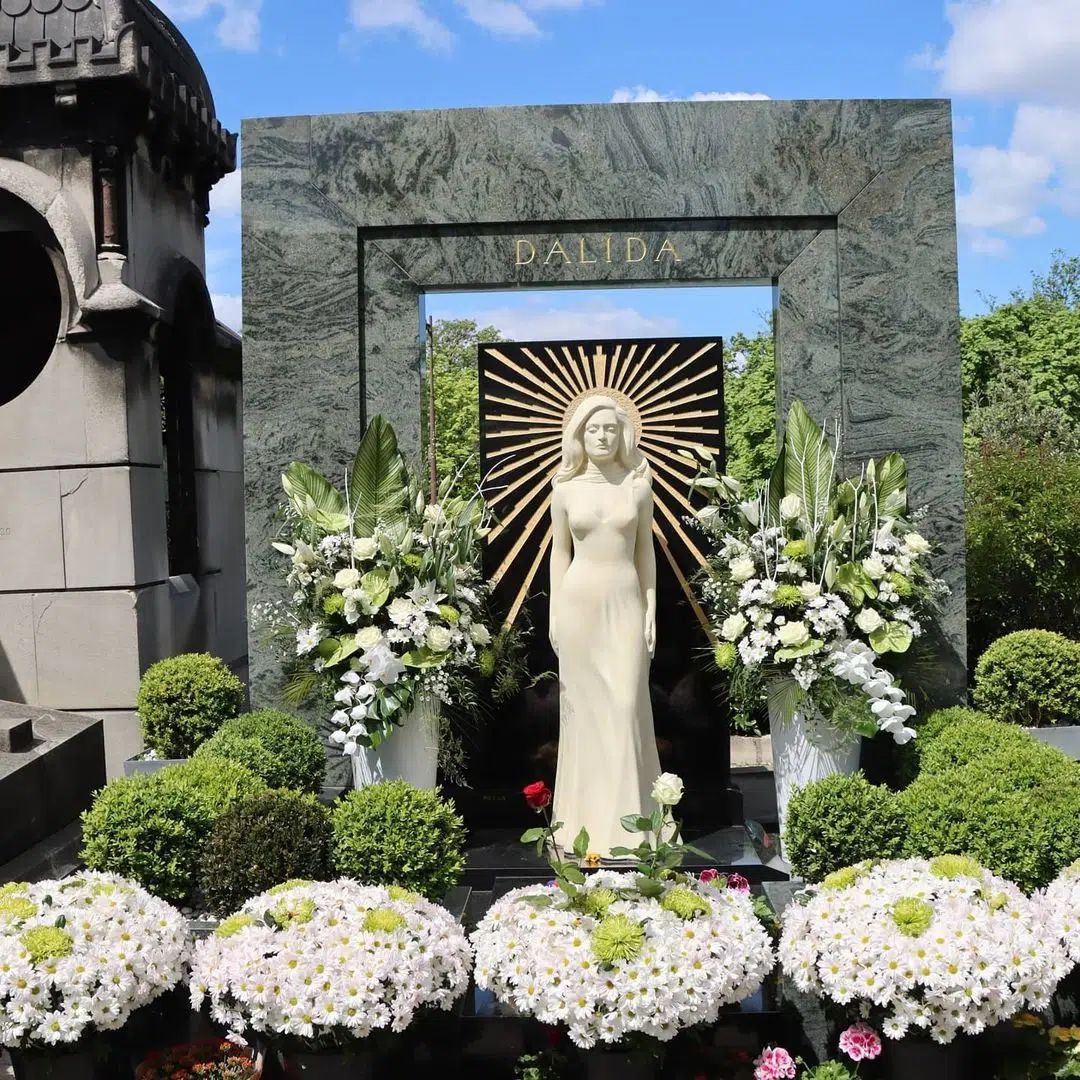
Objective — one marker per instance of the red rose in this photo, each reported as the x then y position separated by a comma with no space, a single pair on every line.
537,795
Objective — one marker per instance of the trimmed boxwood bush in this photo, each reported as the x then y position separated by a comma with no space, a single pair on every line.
1014,810
395,834
151,827
1031,677
972,738
274,837
839,821
909,756
280,748
183,700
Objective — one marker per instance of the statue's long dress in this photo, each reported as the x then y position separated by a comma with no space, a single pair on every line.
607,746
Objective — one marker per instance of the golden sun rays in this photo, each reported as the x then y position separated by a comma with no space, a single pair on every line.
673,393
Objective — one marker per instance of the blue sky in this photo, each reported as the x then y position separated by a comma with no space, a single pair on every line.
1010,66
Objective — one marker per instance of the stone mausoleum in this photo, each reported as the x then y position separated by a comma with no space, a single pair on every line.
121,492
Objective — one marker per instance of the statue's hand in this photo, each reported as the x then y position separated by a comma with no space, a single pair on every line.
650,633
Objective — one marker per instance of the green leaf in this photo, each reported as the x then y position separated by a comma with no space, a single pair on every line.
530,836
581,843
572,873
892,637
796,651
808,463
378,480
852,579
538,901
375,585
697,851
648,886
423,658
315,498
621,851
565,885
775,489
892,480
785,696
345,648
635,823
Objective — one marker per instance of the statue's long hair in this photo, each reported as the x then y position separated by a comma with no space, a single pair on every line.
573,441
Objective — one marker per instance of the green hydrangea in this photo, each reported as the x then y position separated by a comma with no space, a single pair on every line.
47,943
597,901
334,604
912,916
955,866
901,584
399,892
486,661
17,908
796,549
787,596
725,655
298,910
234,924
617,938
449,614
292,883
383,921
685,903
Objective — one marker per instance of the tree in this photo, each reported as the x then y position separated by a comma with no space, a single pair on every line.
750,406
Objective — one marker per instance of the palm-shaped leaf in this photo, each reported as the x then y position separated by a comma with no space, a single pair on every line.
378,482
315,498
808,463
892,484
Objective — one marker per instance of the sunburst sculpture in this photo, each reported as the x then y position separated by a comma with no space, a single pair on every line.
673,392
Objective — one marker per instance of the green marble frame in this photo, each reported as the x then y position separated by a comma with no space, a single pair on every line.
846,207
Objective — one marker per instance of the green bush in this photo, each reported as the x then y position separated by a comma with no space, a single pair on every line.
1014,810
151,827
839,821
280,748
183,700
909,756
1031,677
394,834
265,840
972,738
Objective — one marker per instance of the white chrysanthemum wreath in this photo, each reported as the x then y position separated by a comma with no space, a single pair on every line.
1060,903
328,963
82,955
942,945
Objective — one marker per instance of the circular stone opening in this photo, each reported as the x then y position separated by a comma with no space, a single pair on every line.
32,308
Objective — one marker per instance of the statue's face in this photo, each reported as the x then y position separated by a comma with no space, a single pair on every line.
602,435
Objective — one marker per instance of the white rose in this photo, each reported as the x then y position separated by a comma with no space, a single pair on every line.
868,620
439,639
368,637
364,547
667,789
348,578
401,610
790,507
742,569
733,627
810,590
480,634
793,634
874,567
916,544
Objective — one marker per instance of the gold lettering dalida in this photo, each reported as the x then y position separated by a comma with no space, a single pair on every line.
522,247
585,250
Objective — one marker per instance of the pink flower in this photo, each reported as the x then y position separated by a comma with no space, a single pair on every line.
708,875
738,883
860,1042
774,1063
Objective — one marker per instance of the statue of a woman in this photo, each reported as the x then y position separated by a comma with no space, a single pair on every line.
603,625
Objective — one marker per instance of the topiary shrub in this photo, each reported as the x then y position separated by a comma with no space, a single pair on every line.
218,785
1014,810
280,748
274,837
183,700
1031,677
394,834
909,756
972,738
840,821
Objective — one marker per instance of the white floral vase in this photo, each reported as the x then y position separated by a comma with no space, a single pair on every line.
807,748
411,753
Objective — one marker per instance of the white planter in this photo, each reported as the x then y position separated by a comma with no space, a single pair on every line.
805,748
411,753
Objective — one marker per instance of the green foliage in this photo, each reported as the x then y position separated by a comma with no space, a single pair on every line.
1030,677
750,406
1014,810
278,747
184,699
969,740
262,842
378,480
394,834
840,821
214,784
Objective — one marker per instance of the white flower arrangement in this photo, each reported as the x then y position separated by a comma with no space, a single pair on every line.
815,581
81,955
1060,905
328,963
619,962
941,945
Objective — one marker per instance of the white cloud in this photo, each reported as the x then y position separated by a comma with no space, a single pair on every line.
1007,187
501,17
225,196
239,26
587,319
228,309
645,93
407,15
1021,49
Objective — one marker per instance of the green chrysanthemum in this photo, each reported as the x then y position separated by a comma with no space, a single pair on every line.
912,916
47,943
17,908
955,866
787,596
292,883
486,661
685,903
449,614
725,655
796,549
234,924
901,584
597,901
18,888
334,604
1072,871
383,920
412,560
845,877
291,912
618,937
399,892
